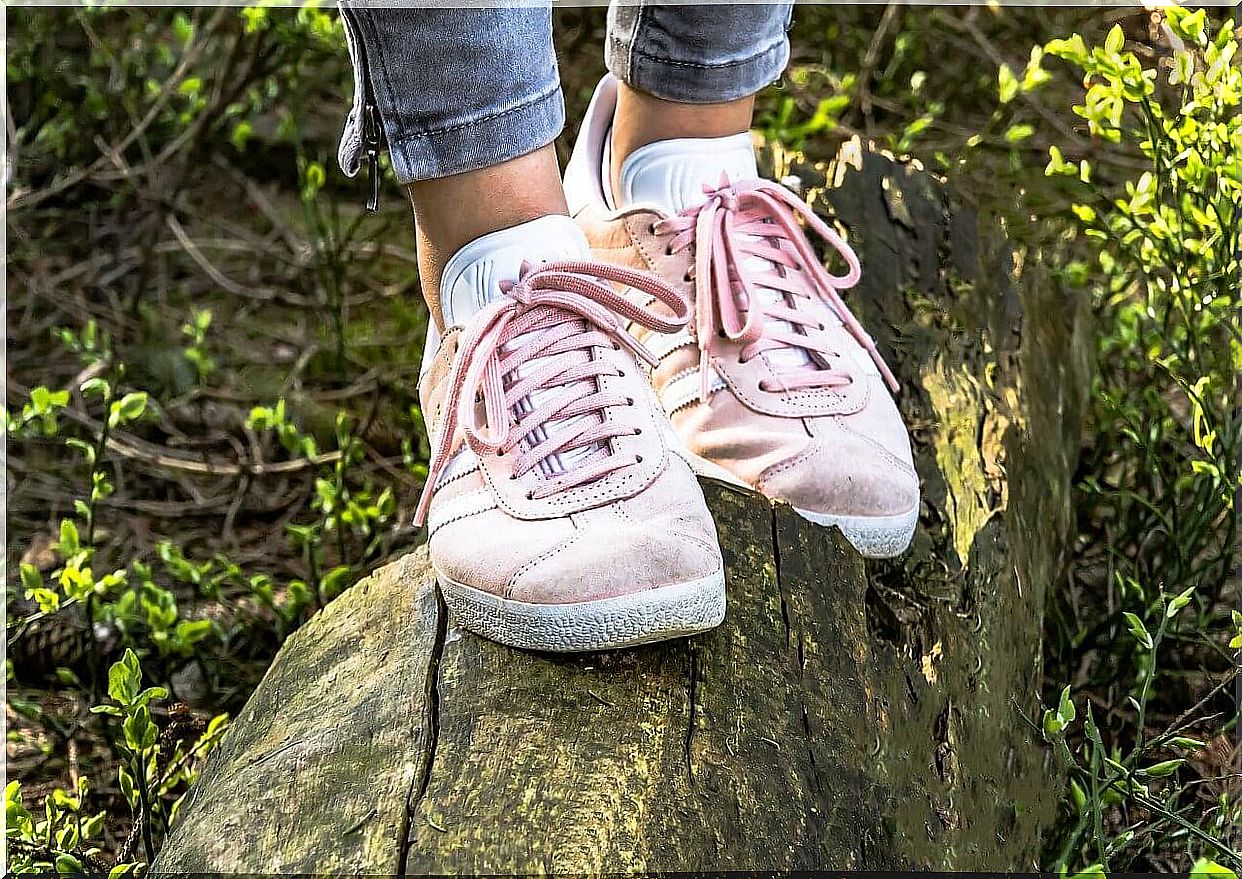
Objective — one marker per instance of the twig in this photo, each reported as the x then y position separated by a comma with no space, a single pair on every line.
869,59
128,446
191,248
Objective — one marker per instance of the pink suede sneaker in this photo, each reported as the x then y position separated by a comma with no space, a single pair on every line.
559,516
775,386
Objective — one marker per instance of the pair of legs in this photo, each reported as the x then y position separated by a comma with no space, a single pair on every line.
471,102
561,502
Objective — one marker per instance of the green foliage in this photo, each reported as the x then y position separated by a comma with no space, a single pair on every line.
344,507
64,839
1169,258
218,74
1139,208
125,123
195,332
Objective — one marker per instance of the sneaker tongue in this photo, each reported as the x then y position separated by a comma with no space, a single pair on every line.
672,173
471,280
472,277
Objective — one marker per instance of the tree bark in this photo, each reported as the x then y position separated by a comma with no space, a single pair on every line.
844,716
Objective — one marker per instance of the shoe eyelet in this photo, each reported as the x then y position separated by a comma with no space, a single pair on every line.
651,230
686,278
720,334
639,459
530,495
638,431
629,401
668,251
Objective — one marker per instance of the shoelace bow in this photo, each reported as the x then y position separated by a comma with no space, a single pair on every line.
556,312
758,218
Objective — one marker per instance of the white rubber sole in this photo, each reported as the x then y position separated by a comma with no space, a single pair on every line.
605,624
875,537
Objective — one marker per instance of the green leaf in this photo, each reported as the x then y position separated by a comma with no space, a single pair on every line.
125,780
1187,743
31,578
140,731
1065,708
1077,796
1008,84
1176,605
1093,870
68,865
47,599
1138,630
1055,722
125,678
128,408
334,581
151,694
1115,41
92,826
1161,770
1205,868
1019,133
190,632
68,544
1085,213
1073,49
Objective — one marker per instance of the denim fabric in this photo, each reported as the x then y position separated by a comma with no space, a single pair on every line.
698,53
457,89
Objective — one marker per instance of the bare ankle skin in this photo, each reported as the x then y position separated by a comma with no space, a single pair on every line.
450,212
641,119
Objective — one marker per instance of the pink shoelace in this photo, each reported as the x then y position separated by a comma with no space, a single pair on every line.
557,313
758,218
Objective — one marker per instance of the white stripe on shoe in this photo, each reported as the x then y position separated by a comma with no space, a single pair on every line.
458,508
685,389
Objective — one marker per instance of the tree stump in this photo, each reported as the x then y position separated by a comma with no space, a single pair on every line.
844,716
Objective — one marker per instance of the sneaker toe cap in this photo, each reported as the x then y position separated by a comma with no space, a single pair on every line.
850,479
598,563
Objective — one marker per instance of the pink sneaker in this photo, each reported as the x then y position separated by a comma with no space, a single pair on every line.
776,386
559,516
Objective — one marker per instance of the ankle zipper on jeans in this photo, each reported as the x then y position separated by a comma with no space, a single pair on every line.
372,126
371,139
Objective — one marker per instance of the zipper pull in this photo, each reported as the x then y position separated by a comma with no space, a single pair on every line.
371,140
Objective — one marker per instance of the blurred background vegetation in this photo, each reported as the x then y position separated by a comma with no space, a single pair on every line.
213,425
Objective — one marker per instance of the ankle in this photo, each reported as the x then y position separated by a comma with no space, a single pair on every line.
451,212
641,119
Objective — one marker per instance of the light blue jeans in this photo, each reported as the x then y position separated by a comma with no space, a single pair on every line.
457,89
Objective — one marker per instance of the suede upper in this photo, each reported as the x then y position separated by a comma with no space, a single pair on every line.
836,450
641,527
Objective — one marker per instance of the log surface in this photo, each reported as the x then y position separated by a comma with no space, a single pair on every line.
844,716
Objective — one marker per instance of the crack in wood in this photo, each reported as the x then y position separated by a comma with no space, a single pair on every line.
692,718
431,722
780,587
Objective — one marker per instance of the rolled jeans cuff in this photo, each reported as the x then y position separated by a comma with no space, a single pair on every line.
690,83
478,143
698,53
